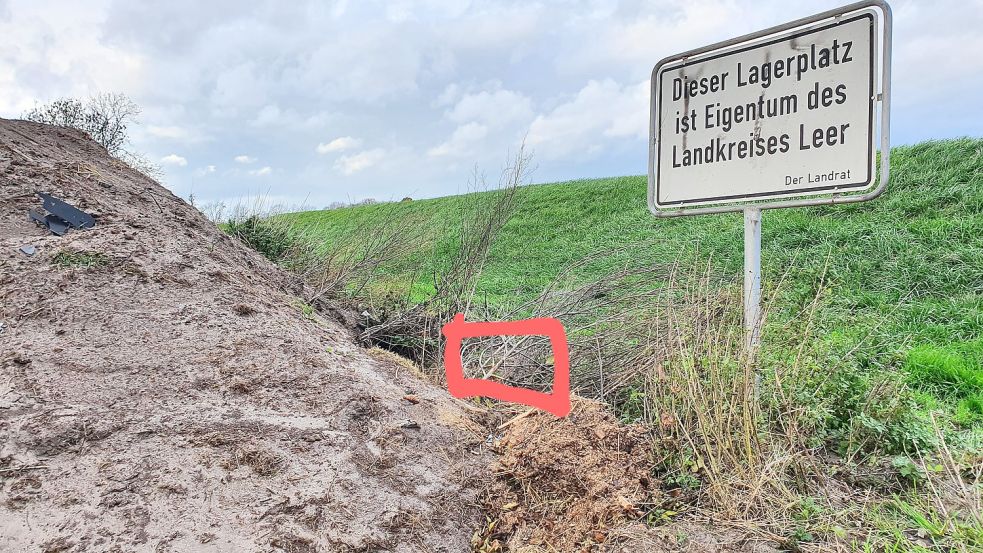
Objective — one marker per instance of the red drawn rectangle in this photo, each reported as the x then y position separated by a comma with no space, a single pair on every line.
556,402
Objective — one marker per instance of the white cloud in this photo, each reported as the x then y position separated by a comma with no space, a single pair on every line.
499,27
372,63
339,144
268,116
490,120
261,172
204,171
494,108
46,53
272,118
450,95
601,111
174,159
937,54
462,142
283,79
627,40
351,164
240,87
171,132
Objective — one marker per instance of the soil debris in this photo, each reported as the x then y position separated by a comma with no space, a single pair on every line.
563,484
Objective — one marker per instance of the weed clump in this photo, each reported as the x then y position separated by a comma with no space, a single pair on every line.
80,259
267,235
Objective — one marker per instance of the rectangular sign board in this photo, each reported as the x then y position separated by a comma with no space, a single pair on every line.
782,115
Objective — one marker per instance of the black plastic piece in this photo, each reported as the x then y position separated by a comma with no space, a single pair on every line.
36,216
56,224
74,217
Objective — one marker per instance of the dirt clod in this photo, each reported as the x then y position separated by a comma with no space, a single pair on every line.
243,310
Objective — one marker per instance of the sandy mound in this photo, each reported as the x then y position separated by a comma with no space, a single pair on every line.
159,390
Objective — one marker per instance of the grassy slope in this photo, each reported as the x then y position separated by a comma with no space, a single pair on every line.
905,270
922,241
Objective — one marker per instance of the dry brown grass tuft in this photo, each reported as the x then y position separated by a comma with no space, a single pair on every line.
262,461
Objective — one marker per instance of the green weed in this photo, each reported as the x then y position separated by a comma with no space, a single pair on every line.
267,235
945,372
80,259
306,309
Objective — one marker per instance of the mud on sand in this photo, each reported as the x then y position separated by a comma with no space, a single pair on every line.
161,389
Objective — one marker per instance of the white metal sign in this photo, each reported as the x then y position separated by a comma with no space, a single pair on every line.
768,119
784,113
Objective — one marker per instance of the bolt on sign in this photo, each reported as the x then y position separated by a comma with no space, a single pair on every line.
784,113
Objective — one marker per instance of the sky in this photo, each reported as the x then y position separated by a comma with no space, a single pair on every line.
310,103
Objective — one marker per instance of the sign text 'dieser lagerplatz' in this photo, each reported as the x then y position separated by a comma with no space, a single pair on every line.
791,115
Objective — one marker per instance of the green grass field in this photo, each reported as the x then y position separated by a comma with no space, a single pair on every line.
903,273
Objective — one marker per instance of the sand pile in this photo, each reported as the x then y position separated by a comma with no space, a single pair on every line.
161,389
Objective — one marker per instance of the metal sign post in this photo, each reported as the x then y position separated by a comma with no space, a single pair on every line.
783,117
752,277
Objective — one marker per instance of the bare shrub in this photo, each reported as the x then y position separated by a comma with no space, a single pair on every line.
664,345
344,267
339,269
608,324
214,211
141,163
413,330
105,117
